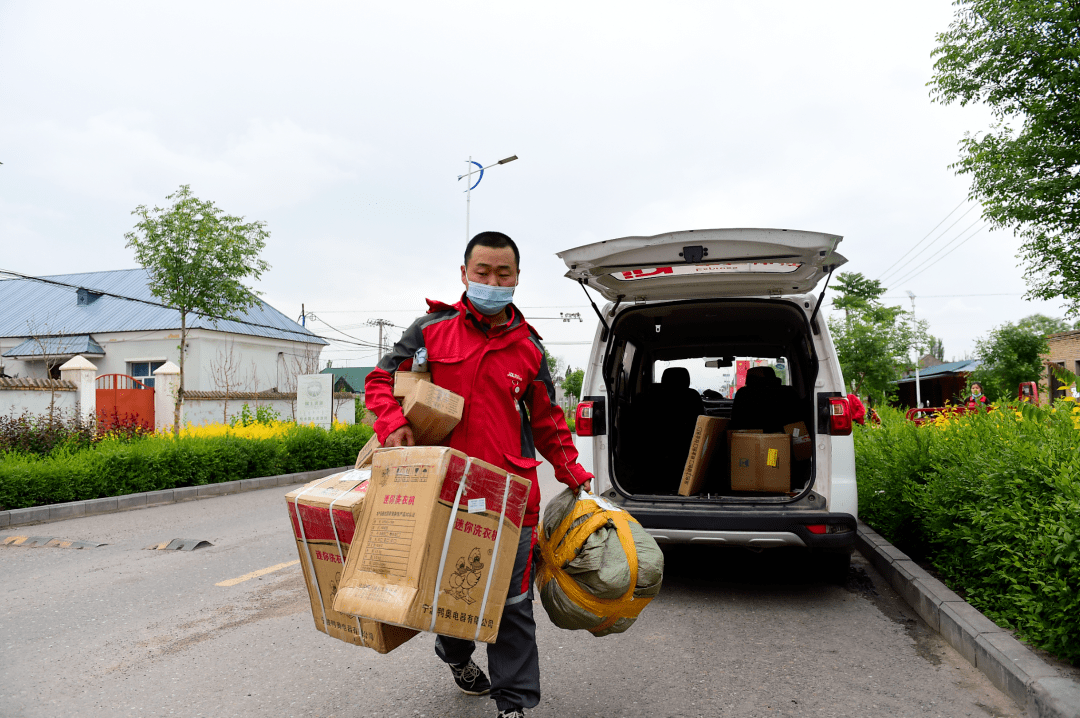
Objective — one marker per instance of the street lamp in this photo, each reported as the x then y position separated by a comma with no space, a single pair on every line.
918,393
470,186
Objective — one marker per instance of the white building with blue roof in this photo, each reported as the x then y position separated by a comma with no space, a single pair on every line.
112,319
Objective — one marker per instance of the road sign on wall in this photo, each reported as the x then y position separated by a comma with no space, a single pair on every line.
315,399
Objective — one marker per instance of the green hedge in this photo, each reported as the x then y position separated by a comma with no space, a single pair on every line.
992,501
114,468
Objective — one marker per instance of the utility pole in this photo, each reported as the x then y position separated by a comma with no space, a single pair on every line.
918,393
380,323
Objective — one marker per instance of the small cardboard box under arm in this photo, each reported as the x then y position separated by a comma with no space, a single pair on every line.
329,509
408,569
433,412
707,436
760,462
405,382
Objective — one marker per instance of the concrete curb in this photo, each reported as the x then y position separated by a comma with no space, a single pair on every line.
93,507
1034,685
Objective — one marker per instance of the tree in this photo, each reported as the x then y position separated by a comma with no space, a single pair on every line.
556,365
198,258
1021,60
937,348
872,341
1010,355
1043,325
572,383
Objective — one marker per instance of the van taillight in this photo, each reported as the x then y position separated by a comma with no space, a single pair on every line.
583,419
839,416
816,528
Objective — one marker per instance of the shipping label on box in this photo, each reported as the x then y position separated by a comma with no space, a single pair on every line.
707,435
760,462
436,544
433,412
405,382
802,444
323,514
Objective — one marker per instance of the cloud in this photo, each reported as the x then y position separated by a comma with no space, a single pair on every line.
122,156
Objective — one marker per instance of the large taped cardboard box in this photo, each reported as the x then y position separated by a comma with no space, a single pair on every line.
405,382
733,432
760,462
408,569
323,514
433,412
802,444
708,436
363,458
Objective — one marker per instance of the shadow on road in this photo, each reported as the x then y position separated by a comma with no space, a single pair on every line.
703,566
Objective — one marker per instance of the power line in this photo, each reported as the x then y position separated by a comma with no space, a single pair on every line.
924,238
930,264
156,304
946,230
927,247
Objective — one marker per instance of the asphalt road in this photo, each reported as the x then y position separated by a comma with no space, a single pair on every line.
122,631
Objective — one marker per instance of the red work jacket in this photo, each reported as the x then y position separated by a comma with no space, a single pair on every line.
500,371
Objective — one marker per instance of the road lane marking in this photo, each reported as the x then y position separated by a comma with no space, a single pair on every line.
256,574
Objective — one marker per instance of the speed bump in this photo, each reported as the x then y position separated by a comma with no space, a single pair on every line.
47,541
178,545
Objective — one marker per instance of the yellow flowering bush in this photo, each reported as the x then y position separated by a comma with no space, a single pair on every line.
992,500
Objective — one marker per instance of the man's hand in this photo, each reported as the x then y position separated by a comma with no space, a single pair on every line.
587,485
401,437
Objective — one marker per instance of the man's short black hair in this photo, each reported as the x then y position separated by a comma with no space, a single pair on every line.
495,240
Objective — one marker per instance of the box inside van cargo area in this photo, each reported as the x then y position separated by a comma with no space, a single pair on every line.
669,364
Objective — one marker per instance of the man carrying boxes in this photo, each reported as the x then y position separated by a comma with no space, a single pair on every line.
483,350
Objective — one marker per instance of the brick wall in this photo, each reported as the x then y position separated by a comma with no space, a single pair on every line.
1064,351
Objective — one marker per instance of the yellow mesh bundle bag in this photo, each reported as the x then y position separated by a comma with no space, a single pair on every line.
598,567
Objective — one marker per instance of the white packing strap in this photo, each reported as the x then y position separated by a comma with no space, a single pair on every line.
446,544
495,558
303,537
341,551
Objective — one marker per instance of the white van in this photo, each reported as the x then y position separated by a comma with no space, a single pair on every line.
721,323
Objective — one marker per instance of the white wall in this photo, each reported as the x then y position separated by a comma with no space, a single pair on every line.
210,411
14,402
261,363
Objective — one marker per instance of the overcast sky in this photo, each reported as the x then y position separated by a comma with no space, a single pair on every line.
344,126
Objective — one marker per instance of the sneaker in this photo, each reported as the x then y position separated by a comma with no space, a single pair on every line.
470,679
512,713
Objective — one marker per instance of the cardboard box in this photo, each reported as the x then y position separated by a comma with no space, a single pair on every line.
707,436
363,458
802,444
405,382
404,550
733,432
329,509
433,412
760,462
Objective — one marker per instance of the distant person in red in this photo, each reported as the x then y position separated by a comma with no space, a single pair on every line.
977,398
858,411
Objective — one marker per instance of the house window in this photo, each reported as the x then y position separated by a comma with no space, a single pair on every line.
144,371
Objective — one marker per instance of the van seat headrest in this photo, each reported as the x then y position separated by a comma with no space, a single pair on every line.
676,377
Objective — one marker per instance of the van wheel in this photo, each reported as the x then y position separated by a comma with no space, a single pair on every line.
834,567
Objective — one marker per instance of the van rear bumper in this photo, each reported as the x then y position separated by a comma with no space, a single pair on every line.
756,529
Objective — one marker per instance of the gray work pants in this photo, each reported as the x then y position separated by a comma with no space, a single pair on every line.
513,661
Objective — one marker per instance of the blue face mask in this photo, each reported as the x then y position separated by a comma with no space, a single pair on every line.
487,299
